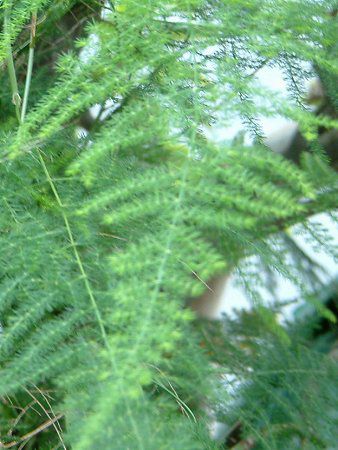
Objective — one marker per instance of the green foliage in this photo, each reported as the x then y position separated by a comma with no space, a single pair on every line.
286,395
104,237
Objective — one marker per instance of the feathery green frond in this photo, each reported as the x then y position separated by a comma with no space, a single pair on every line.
111,222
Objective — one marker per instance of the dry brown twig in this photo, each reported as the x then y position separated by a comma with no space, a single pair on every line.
32,433
54,419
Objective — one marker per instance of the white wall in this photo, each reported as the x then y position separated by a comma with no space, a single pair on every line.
278,131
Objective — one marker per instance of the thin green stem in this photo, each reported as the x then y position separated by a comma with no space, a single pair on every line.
11,69
29,67
28,82
76,253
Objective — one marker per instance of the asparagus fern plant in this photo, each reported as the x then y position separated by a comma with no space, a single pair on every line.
110,222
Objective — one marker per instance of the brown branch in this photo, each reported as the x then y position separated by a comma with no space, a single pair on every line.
32,433
55,425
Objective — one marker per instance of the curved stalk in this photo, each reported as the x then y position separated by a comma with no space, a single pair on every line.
29,68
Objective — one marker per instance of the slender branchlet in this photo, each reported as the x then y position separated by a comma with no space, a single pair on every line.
29,67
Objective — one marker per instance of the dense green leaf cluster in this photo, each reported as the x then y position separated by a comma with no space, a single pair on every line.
109,224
